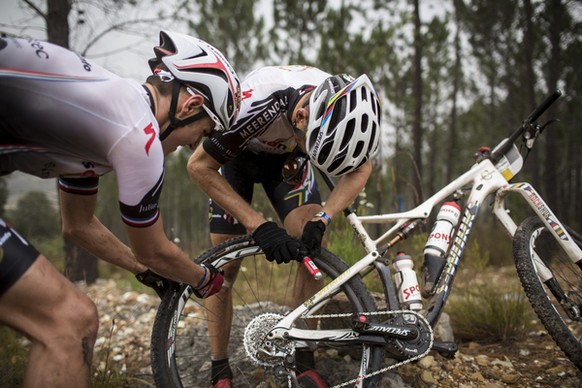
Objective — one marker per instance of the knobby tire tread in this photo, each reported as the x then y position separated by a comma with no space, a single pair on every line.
165,375
537,294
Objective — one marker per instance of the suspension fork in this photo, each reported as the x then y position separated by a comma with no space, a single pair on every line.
537,204
553,225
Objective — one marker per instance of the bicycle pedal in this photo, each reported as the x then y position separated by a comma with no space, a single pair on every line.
445,349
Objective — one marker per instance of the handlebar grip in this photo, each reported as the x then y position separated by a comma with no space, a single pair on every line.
537,112
312,268
543,106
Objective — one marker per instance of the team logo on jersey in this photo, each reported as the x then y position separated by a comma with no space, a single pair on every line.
247,94
149,130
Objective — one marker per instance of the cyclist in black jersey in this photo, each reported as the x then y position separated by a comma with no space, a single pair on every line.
292,117
64,116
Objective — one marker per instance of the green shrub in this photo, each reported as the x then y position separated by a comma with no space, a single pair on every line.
52,248
13,356
489,314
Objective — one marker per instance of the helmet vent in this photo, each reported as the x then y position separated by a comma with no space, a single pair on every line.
372,138
359,149
337,162
347,169
320,112
338,112
324,153
349,133
353,100
365,120
364,94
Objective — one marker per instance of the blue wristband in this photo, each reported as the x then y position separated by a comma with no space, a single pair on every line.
203,278
324,215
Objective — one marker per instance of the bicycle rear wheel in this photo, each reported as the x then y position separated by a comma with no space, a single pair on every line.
563,321
180,344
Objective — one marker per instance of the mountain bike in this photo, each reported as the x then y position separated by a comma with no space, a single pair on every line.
342,320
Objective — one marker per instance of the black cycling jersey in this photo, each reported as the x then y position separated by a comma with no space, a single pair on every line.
256,147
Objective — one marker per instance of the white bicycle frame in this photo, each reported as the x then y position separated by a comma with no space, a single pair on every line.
485,180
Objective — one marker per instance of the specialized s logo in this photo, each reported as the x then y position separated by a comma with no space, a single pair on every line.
149,130
247,94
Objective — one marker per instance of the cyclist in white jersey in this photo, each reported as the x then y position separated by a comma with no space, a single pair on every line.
285,112
64,116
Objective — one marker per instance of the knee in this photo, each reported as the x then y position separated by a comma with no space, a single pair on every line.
79,322
87,320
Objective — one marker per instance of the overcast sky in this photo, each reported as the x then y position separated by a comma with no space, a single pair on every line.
122,53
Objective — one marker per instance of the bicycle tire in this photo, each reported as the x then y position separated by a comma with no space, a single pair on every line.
179,348
567,333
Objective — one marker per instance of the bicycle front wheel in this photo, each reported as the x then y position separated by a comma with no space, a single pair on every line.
180,340
557,301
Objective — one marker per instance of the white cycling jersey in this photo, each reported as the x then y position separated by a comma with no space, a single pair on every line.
62,115
269,96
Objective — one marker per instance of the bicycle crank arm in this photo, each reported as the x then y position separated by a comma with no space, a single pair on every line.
397,331
446,349
339,336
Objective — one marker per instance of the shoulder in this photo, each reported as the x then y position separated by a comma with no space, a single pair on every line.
35,60
292,75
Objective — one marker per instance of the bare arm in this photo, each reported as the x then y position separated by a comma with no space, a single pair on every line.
203,169
80,225
155,250
151,247
347,189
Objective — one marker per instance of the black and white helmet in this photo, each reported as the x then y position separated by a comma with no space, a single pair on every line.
204,68
344,124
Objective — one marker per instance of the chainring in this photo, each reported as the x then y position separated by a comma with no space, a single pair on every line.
404,349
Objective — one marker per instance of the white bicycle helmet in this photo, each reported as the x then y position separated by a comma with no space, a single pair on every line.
202,67
344,124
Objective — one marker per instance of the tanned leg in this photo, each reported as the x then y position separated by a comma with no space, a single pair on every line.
305,286
219,307
60,321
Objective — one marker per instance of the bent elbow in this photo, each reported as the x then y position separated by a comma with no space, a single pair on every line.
71,232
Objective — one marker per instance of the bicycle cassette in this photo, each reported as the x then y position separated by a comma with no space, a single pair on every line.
261,350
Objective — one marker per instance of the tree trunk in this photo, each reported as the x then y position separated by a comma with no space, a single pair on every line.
79,264
417,128
57,21
556,15
530,81
454,96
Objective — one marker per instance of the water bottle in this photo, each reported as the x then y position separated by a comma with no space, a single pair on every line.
438,244
406,282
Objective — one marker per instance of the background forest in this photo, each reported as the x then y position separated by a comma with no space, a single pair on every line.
453,75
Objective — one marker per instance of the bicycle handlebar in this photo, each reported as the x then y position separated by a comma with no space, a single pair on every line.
544,106
534,115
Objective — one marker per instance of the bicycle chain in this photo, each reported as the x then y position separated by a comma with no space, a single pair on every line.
386,312
273,318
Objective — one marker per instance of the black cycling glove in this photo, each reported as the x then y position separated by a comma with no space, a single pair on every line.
312,235
276,243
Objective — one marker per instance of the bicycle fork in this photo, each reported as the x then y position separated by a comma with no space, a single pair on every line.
554,226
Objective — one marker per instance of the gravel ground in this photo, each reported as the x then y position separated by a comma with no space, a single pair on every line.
126,318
